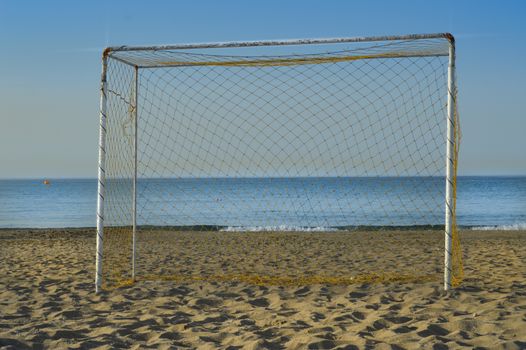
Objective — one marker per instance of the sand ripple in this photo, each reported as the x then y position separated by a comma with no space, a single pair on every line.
47,301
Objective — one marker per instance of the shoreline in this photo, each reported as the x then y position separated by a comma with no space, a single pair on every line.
284,228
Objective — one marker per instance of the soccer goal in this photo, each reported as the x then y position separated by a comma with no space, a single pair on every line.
314,141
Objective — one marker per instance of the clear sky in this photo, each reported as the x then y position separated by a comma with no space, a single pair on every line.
50,66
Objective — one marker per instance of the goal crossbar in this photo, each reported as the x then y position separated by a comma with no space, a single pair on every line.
232,44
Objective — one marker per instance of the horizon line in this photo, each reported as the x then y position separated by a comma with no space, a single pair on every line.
258,177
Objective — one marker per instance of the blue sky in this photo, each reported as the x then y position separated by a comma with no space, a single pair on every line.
50,66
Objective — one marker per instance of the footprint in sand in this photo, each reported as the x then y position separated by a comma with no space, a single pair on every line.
316,316
302,292
324,344
433,329
207,302
259,302
398,319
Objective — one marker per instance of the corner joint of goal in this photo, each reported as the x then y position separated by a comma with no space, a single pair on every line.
450,38
106,52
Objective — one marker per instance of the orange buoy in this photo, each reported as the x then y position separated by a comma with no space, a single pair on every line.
46,182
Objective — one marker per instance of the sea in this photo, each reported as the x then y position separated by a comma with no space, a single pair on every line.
258,204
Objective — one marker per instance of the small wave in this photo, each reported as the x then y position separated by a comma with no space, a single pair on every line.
512,227
281,228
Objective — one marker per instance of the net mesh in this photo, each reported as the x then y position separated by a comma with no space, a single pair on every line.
345,141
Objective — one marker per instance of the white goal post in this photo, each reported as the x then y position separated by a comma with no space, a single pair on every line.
142,61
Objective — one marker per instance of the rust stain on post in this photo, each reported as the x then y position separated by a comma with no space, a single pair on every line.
106,52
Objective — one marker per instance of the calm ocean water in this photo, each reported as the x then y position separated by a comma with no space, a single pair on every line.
254,203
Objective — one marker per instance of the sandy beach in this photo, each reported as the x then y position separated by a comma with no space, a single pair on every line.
47,297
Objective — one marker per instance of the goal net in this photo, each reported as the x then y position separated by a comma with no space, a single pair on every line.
288,162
